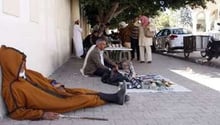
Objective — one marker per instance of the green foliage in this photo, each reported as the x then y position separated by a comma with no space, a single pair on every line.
186,17
114,11
162,21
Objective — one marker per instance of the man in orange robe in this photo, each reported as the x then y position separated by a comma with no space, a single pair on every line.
29,95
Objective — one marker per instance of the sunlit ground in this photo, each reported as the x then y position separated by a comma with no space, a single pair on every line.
209,80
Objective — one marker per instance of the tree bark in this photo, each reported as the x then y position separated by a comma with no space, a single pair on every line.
115,6
119,11
105,17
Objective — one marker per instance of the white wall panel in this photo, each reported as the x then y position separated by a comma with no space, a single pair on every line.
39,28
38,32
11,7
34,10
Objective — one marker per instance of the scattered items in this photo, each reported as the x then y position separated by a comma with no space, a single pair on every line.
149,81
155,82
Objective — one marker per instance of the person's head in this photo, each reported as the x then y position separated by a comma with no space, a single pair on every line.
144,21
102,27
77,22
95,33
12,61
123,24
23,65
101,43
107,24
22,70
95,28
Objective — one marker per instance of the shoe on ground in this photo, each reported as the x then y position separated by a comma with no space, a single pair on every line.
149,62
127,98
82,72
142,61
121,94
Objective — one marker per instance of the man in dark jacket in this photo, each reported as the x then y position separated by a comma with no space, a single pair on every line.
89,41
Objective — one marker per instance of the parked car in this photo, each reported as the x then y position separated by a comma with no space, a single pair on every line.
170,38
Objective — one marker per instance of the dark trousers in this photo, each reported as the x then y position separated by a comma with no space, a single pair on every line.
135,48
100,72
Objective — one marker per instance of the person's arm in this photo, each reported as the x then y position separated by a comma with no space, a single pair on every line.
110,62
50,81
58,85
50,115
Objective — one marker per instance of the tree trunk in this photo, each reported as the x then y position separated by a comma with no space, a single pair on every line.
105,17
110,14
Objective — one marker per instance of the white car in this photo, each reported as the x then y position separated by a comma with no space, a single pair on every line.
170,38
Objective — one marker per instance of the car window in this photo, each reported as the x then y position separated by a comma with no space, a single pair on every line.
166,32
185,31
160,33
180,31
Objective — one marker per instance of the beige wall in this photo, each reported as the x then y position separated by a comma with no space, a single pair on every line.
78,15
39,28
209,17
75,10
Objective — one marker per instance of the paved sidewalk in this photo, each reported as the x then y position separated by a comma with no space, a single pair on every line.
195,57
198,107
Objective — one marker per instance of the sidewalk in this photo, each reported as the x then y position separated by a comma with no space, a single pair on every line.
195,57
198,107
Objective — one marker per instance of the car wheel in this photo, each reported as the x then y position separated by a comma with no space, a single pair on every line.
167,47
209,58
209,54
153,48
186,54
203,53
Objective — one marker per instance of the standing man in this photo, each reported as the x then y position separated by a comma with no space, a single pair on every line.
134,39
124,34
145,40
77,39
89,41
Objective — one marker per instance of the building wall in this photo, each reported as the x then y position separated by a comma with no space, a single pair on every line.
39,28
211,16
77,14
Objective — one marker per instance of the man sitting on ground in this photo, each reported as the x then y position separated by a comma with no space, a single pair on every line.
98,63
30,95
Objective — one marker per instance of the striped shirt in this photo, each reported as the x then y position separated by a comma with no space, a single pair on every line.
135,32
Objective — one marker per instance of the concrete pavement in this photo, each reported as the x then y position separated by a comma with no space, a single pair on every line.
201,106
195,57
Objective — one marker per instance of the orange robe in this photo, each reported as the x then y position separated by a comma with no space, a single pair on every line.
30,98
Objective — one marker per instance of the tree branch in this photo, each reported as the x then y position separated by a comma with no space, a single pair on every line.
119,11
115,6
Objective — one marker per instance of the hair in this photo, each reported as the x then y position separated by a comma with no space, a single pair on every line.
144,21
107,24
100,39
77,22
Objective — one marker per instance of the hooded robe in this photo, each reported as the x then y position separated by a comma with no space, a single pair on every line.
29,98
